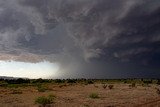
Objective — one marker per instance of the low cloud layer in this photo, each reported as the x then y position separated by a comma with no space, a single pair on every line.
88,38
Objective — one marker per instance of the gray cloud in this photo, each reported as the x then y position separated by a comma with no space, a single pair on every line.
83,36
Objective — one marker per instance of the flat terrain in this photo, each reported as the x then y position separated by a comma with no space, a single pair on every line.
78,95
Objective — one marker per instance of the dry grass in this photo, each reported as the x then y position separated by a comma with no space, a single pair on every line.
78,96
94,95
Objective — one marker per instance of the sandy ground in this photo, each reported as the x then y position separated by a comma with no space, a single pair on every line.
78,96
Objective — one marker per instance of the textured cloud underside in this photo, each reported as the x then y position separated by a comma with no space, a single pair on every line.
83,31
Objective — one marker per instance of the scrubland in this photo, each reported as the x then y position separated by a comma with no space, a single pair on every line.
80,93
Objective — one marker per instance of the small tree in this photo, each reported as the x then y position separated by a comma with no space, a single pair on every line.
110,87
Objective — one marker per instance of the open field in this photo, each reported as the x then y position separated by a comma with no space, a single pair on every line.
82,94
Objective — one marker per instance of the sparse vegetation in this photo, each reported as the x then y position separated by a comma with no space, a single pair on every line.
59,81
16,91
3,84
51,96
110,86
157,91
71,80
96,86
147,82
18,81
104,86
89,82
132,85
41,88
62,85
145,85
45,100
13,85
85,105
158,82
94,95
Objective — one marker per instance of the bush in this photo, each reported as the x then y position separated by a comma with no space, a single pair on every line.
90,82
110,87
51,97
45,100
59,81
21,81
94,95
132,85
104,86
41,88
158,82
125,82
17,81
158,91
147,81
39,80
71,80
3,84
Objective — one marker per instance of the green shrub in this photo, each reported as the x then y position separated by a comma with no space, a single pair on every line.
94,95
41,88
42,100
51,97
12,85
3,84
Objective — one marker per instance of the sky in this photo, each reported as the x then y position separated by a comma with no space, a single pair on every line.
80,38
28,70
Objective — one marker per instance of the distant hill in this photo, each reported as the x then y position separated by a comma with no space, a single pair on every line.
6,77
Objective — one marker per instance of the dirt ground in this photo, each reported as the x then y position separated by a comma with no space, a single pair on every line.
77,95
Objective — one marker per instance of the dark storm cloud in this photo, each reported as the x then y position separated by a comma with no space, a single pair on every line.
102,37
